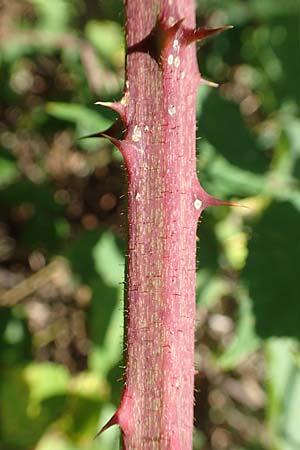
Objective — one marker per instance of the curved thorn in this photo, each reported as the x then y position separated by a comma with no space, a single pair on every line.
208,200
174,28
113,140
122,416
158,40
115,131
88,136
209,83
198,34
118,107
112,421
213,201
172,31
167,34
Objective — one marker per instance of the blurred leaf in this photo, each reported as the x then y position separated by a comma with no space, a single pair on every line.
86,120
53,441
108,38
198,439
8,169
225,180
96,259
283,384
245,340
39,195
15,338
234,239
110,439
240,12
103,358
81,418
208,247
80,255
274,46
272,271
46,380
39,229
53,16
292,131
22,422
89,385
87,391
210,289
109,263
234,141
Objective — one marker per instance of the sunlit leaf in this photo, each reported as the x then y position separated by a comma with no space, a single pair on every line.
283,386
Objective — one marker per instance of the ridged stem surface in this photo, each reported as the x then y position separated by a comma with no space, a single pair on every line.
156,412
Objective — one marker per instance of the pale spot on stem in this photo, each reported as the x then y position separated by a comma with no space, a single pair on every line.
177,62
170,59
171,110
125,99
197,204
176,44
137,134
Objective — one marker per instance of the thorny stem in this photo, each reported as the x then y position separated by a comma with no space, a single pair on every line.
165,202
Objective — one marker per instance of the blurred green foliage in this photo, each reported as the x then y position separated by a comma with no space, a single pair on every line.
62,238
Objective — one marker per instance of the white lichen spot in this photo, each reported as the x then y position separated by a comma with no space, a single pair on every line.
170,59
176,44
171,110
197,204
182,74
138,197
177,384
170,2
171,21
137,134
146,128
125,99
177,62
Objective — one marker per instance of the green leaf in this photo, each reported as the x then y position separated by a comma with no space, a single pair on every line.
24,418
245,340
223,179
41,196
39,230
52,441
53,16
108,38
272,271
111,438
283,387
8,169
15,338
97,260
46,380
109,263
234,141
86,120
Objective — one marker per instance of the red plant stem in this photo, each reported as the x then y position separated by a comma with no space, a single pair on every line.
162,231
165,202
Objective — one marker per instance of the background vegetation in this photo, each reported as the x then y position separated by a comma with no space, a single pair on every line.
62,226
